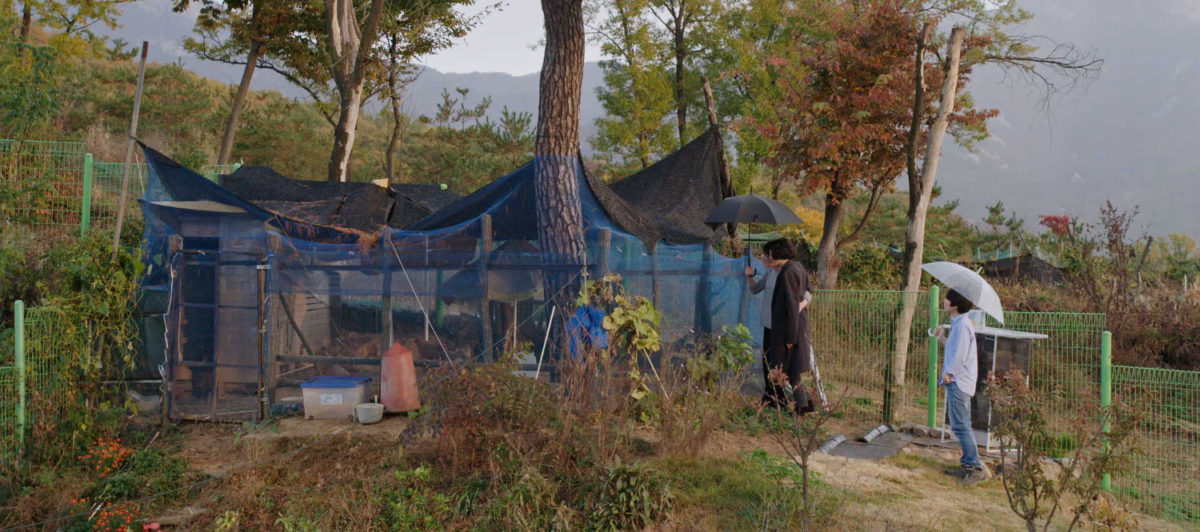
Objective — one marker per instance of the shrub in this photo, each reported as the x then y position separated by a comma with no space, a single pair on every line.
1035,493
415,505
629,497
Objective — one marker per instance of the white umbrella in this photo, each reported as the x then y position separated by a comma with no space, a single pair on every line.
969,284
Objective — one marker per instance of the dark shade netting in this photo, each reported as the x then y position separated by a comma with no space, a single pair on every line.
673,204
361,207
260,301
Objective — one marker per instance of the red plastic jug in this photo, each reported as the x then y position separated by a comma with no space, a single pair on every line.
398,386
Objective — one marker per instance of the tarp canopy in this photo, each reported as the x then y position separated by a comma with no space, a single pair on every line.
677,192
665,202
361,207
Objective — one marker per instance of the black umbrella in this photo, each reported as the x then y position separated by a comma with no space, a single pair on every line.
751,208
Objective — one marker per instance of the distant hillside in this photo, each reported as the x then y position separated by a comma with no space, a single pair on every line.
1131,136
519,93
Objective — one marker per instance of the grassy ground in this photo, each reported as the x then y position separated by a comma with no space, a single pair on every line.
328,475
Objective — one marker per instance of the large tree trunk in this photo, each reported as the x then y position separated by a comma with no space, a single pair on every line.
350,48
344,134
827,251
559,215
26,19
394,139
919,195
235,110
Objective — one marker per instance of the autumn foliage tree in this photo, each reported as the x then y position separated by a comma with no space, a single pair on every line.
844,103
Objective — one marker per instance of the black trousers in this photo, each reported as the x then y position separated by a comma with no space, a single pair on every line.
776,396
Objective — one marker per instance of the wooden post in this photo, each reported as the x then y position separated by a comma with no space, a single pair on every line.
439,308
172,352
654,277
744,299
137,107
726,175
605,243
485,317
387,251
702,314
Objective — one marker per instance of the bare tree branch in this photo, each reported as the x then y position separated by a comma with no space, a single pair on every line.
876,194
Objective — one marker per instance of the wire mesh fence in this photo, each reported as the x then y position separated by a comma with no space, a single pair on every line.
106,188
43,185
9,441
1165,479
47,385
48,349
41,190
1066,365
853,333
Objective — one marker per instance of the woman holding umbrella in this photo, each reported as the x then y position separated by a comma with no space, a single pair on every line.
787,339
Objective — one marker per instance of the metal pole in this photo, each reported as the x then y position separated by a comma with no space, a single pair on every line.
545,342
263,359
1106,392
934,296
137,107
19,354
85,210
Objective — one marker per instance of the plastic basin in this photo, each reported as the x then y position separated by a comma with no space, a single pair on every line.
368,413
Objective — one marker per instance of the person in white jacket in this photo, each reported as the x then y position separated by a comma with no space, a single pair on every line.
960,371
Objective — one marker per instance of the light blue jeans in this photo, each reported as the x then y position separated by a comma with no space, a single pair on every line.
958,406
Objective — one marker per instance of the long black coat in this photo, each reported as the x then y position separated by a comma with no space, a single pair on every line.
789,325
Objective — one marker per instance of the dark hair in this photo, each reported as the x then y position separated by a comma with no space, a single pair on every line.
959,302
780,249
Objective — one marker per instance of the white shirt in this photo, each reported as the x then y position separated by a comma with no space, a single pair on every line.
962,355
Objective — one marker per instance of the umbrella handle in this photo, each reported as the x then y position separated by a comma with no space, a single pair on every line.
747,253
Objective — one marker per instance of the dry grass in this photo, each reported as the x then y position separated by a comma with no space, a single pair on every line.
333,480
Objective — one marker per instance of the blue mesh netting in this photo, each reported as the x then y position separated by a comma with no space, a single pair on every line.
450,290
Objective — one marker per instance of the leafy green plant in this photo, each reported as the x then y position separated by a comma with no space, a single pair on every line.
633,324
629,497
228,522
870,266
293,523
728,353
415,504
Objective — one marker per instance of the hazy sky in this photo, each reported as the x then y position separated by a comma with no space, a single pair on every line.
506,41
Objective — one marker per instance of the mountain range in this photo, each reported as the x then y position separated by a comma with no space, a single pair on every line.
1131,136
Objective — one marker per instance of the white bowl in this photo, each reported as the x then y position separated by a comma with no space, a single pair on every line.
368,413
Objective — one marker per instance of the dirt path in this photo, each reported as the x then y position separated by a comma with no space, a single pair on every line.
907,491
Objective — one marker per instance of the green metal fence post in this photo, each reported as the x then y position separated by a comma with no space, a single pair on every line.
85,210
19,356
1106,391
934,296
